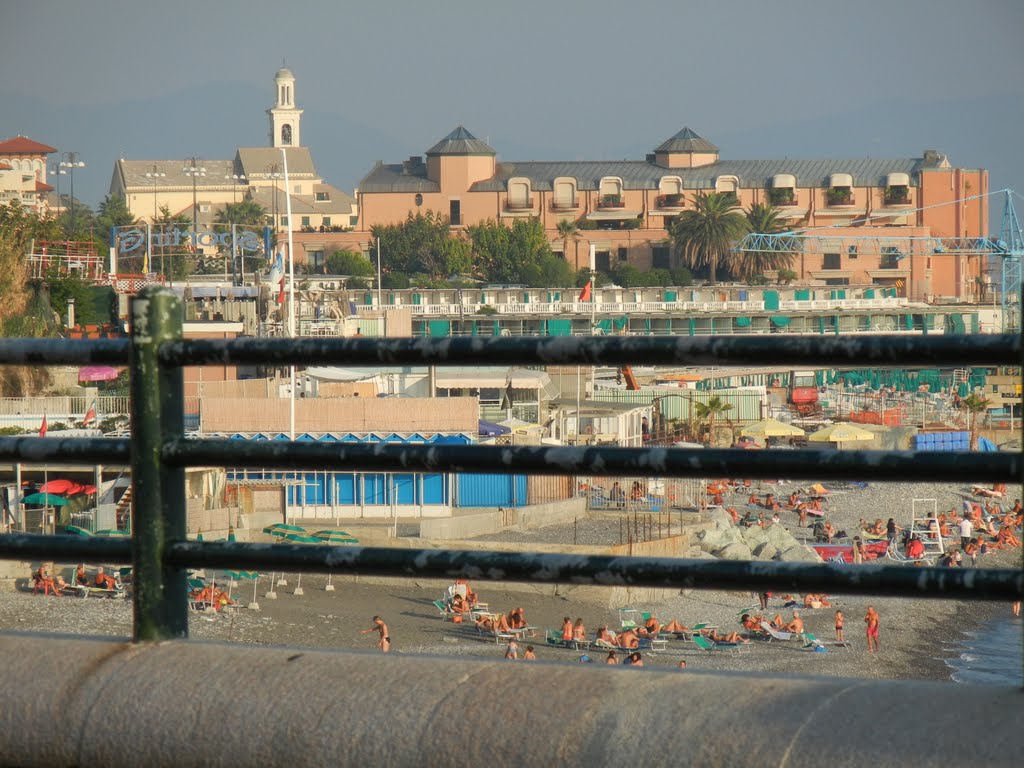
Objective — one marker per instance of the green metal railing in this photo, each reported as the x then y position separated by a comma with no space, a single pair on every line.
158,452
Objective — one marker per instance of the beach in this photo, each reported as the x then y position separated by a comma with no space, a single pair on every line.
917,636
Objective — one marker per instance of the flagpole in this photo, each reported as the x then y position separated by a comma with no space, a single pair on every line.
291,295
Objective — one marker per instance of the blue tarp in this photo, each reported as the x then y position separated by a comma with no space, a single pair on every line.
490,429
984,444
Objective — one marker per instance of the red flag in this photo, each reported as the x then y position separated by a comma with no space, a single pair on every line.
280,295
42,427
585,293
90,415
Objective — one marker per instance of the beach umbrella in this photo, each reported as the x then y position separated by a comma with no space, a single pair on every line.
98,373
112,532
281,529
333,536
60,485
298,538
46,500
771,428
841,433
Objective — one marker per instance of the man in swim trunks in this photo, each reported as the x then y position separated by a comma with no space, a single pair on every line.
871,619
384,643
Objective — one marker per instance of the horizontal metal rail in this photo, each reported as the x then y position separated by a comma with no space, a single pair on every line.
599,570
65,351
869,350
66,450
895,466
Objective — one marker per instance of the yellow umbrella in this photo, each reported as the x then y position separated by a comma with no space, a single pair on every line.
771,428
841,433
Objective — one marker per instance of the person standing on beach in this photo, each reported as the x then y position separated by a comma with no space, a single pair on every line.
529,655
384,643
512,650
839,627
871,619
965,532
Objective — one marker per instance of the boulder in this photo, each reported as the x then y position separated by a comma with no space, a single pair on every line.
721,519
765,551
736,551
713,539
755,535
799,553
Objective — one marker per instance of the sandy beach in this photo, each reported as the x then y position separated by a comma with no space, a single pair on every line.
917,636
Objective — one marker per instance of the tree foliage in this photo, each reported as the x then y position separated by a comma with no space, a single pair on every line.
351,263
423,243
705,236
763,219
519,254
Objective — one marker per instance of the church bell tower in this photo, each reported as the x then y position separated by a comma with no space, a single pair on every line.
284,116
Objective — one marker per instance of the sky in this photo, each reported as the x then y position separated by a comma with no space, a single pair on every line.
538,80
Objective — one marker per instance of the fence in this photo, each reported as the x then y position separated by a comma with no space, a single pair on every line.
159,452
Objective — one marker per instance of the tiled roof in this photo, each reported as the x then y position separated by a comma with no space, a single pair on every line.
22,145
254,161
42,186
400,177
639,174
686,141
460,142
165,174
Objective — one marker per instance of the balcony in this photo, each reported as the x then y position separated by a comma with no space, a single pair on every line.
897,196
606,202
670,201
565,205
782,196
522,204
839,196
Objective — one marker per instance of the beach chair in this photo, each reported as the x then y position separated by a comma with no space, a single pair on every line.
774,634
442,608
707,645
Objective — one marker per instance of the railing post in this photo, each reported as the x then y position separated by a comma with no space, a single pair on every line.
158,503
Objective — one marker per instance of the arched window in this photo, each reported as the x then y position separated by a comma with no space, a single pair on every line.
519,193
564,193
286,134
419,199
727,184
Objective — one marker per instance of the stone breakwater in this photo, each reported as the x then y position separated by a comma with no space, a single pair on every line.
726,541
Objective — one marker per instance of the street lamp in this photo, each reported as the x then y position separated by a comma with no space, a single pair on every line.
193,169
58,172
154,175
274,172
234,178
70,161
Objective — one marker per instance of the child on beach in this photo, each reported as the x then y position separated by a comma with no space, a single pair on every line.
512,650
384,642
839,627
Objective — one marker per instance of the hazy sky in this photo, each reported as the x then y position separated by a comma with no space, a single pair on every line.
538,80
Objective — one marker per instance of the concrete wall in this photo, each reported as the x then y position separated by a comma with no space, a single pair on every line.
428,416
489,521
297,711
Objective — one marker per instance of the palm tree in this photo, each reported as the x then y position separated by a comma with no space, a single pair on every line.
763,219
568,230
705,236
710,410
974,404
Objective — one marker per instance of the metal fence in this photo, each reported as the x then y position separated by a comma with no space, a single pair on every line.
158,452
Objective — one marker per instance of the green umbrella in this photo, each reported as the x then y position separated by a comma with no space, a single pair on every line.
76,530
334,536
280,529
112,532
46,499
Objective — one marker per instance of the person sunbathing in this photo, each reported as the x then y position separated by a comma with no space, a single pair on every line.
796,626
651,627
567,630
877,528
579,631
604,637
459,604
734,515
485,624
728,637
43,579
829,531
816,600
628,639
794,499
103,581
501,625
1017,507
516,618
1006,538
802,515
81,577
915,548
676,628
754,499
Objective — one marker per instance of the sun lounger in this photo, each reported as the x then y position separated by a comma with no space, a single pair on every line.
774,634
443,609
707,645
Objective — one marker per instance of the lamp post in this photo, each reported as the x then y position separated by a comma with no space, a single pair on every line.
193,168
234,178
274,172
70,161
153,176
58,172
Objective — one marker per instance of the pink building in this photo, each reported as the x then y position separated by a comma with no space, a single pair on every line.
625,208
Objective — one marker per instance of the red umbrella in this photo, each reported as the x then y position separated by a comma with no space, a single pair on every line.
98,373
65,487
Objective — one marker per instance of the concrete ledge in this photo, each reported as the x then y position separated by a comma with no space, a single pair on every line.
84,702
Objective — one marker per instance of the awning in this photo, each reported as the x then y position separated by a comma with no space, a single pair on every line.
780,320
742,322
612,215
890,213
518,377
844,212
791,213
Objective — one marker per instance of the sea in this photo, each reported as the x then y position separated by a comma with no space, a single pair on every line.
990,655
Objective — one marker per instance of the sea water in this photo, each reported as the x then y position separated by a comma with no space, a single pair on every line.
991,654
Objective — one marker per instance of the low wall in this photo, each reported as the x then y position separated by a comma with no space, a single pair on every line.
311,707
487,521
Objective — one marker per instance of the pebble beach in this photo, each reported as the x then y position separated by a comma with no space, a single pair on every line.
917,638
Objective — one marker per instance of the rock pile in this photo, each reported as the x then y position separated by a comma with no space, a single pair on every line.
728,542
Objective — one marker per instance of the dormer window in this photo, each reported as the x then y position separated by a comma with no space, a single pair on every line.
564,194
322,197
519,197
840,189
610,191
783,190
727,184
670,192
897,189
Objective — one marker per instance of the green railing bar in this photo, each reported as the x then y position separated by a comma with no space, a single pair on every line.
894,466
875,350
66,450
158,504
